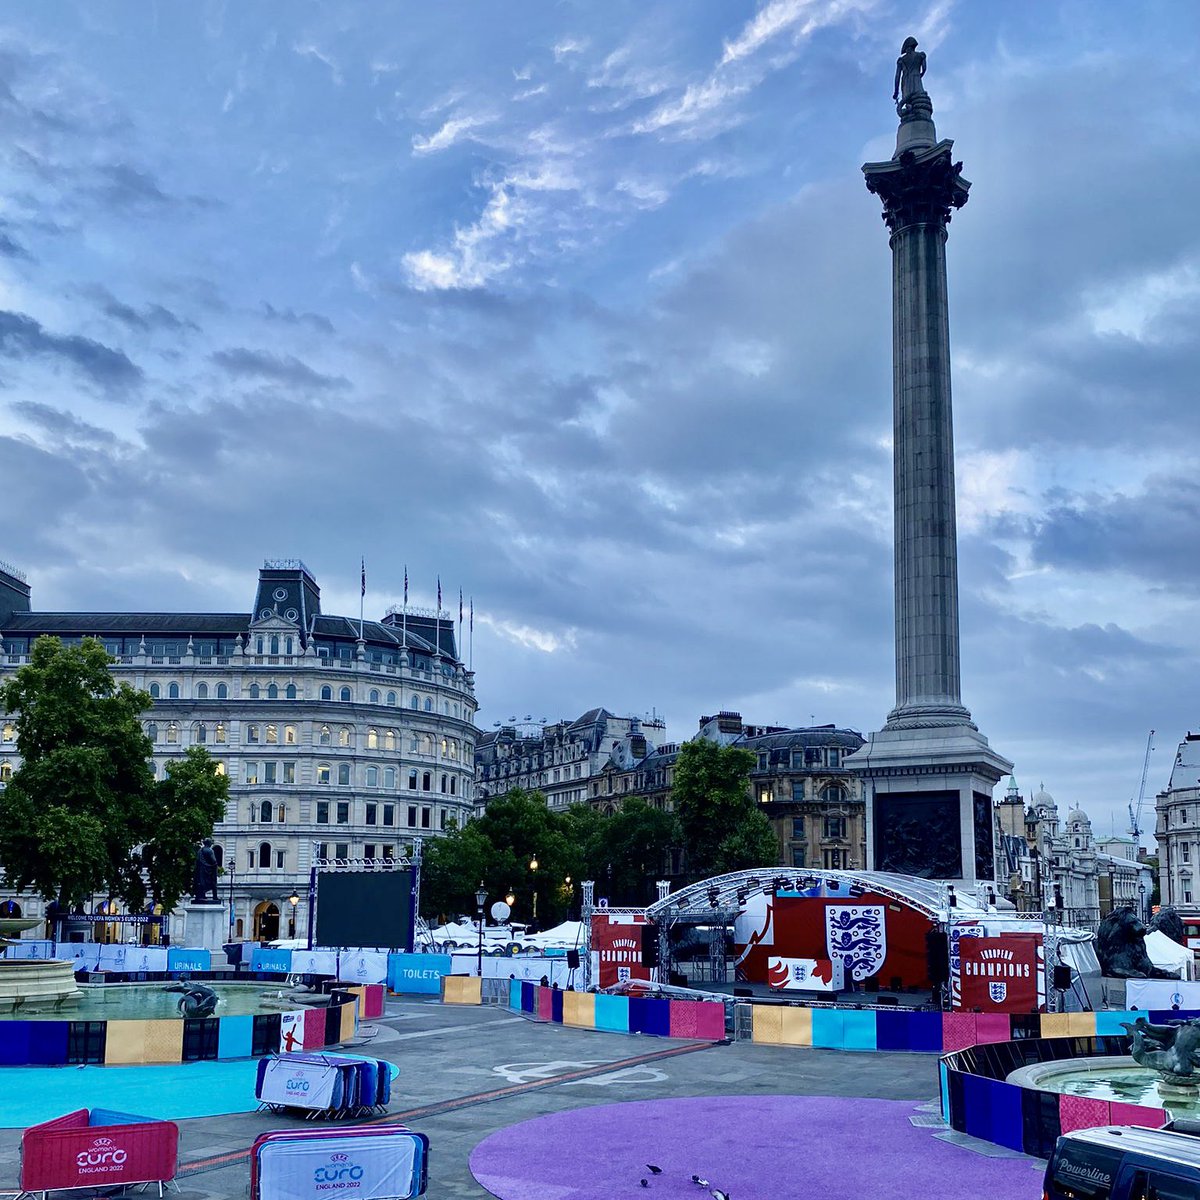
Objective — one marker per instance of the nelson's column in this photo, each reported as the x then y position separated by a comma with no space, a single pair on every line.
928,774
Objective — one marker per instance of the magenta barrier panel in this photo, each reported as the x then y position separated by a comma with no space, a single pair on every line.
69,1152
372,1005
698,1019
545,1004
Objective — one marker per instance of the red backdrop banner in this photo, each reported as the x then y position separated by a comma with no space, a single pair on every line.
1000,974
617,940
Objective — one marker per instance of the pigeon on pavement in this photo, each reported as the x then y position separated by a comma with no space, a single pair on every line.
653,1169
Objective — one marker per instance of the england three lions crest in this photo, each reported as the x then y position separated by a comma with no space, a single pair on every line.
997,992
856,935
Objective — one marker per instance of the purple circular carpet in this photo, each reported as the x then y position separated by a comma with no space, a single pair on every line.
751,1147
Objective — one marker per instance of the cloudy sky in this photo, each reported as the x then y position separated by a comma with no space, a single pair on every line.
585,308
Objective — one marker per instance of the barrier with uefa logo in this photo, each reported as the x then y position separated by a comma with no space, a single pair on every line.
99,1148
381,1162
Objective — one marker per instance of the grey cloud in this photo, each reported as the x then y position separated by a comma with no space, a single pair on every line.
21,337
1152,534
289,316
149,317
275,368
64,426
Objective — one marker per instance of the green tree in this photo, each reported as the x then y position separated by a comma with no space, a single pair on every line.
83,797
451,870
83,813
717,817
632,852
188,803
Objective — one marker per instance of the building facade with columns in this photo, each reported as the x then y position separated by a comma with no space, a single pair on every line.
341,739
1177,827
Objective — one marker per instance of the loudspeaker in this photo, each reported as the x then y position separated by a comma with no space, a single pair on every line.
937,956
1062,978
742,993
649,946
573,959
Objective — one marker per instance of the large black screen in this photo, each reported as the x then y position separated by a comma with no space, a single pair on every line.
365,908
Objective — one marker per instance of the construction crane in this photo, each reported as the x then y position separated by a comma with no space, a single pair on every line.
1135,814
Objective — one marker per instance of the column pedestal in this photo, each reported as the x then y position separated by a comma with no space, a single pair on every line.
205,926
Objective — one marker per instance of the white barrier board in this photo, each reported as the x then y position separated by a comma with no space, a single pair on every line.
376,1168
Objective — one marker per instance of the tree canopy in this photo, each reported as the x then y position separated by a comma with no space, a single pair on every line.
722,828
83,813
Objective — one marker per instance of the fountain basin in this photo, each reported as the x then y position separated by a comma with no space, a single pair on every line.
1114,1078
31,986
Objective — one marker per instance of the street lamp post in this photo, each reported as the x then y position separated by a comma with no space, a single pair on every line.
533,866
1142,901
480,901
293,900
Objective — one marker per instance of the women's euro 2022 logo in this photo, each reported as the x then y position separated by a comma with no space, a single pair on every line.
339,1173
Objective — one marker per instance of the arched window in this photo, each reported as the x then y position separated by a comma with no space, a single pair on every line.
428,704
344,738
412,781
416,703
173,734
220,767
264,811
374,696
251,733
281,813
258,645
291,689
414,742
6,771
272,735
202,691
372,739
446,707
326,692
344,774
344,695
454,749
152,731
222,691
389,739
274,643
289,735
10,732
453,782
172,691
325,737
389,778
372,777
288,644
426,743
391,698
323,773
264,855
155,691
200,733
253,691
219,733
272,691
445,748
445,784
426,781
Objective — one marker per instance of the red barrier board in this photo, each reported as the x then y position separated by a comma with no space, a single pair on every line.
617,943
1000,974
70,1152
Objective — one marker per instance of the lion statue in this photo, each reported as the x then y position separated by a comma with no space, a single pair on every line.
1167,920
1121,948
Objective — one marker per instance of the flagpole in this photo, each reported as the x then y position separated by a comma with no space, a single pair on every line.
459,647
471,651
437,622
362,596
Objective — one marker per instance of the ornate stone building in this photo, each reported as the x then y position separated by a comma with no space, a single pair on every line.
340,739
1177,828
563,760
1045,864
798,778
